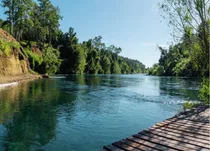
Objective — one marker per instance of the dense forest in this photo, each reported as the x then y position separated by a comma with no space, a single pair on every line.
189,56
35,24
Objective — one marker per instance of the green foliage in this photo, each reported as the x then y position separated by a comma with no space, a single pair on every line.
31,21
189,105
93,57
182,67
93,64
156,70
204,93
4,48
190,21
116,68
180,60
80,60
47,62
34,58
106,64
7,47
51,61
124,68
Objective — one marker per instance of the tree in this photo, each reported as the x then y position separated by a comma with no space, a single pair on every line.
190,19
51,61
10,6
97,43
106,64
18,18
35,32
49,17
116,68
68,46
80,60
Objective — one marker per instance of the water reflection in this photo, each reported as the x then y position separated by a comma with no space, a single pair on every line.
179,87
29,112
99,80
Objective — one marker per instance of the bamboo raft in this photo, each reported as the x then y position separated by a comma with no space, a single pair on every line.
188,131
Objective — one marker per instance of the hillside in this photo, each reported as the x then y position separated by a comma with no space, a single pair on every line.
12,60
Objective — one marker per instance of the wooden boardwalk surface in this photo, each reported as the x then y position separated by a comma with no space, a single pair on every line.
188,131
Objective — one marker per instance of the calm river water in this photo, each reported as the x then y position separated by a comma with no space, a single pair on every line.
85,112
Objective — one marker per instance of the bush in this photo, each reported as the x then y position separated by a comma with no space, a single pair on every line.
34,59
189,105
51,61
204,92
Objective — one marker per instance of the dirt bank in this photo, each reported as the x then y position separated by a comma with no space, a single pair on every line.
18,78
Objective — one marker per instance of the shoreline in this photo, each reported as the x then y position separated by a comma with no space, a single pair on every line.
6,81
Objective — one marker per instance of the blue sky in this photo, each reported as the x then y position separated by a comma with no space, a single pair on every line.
133,25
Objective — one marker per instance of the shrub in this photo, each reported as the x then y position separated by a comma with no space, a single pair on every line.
204,92
51,61
189,105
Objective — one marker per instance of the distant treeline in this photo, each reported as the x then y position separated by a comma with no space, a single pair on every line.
36,26
93,57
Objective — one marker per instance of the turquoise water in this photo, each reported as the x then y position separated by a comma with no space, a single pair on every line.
83,113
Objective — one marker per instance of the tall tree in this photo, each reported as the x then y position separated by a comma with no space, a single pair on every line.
191,18
10,10
49,17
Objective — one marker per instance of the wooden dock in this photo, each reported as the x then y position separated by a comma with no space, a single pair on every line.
188,131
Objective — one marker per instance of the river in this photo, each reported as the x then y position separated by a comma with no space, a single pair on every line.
86,112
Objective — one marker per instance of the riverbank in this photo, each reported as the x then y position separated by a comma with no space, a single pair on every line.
18,78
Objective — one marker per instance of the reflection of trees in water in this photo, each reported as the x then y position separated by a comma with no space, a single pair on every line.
29,112
175,86
98,80
93,93
33,124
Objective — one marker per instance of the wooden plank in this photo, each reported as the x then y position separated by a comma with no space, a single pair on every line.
112,148
124,146
207,125
182,132
183,129
138,146
202,129
150,144
183,140
180,136
163,142
197,119
189,121
188,125
171,141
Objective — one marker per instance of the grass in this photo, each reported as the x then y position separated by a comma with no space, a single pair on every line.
6,47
